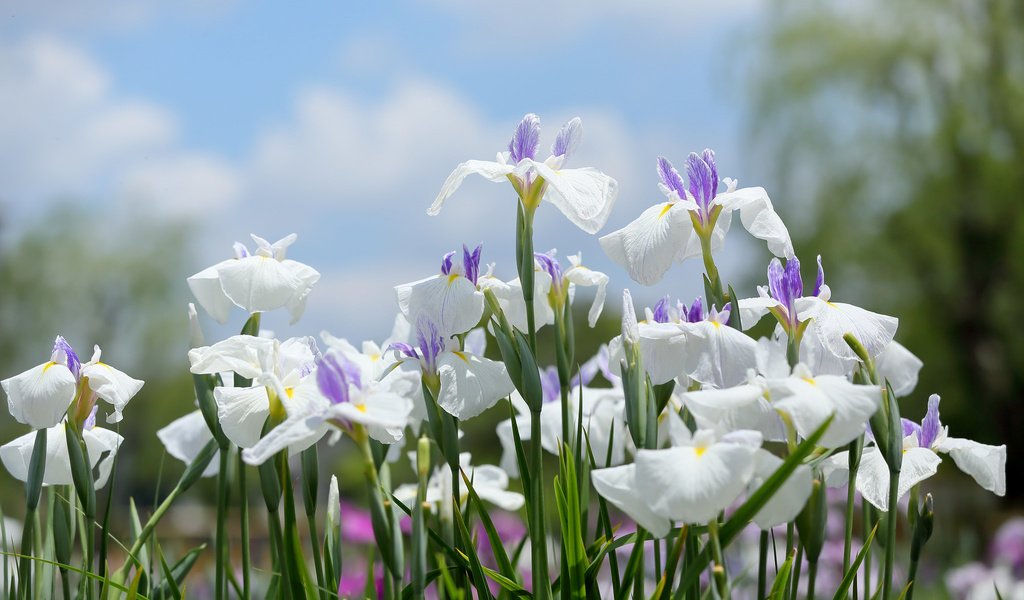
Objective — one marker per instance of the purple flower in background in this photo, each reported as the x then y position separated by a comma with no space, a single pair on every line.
1008,546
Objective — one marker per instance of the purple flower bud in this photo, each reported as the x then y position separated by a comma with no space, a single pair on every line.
820,280
702,182
430,342
526,139
64,354
786,285
670,177
931,426
696,312
549,263
335,374
661,311
446,263
471,262
709,158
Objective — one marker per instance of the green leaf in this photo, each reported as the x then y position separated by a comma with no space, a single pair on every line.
851,574
778,591
497,544
476,569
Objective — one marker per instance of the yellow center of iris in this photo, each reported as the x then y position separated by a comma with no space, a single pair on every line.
700,450
809,380
452,277
361,408
668,206
461,355
48,365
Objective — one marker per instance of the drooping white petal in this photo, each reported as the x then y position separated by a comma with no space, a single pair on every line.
586,196
753,309
242,413
245,355
297,433
510,298
383,410
899,367
788,500
307,276
873,475
820,359
207,289
759,218
491,484
40,396
646,247
580,275
618,485
102,445
452,302
184,437
986,464
259,283
717,354
488,169
111,385
735,408
812,400
663,350
832,320
470,384
692,483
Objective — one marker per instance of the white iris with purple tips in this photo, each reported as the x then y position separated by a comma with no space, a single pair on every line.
452,298
585,195
694,215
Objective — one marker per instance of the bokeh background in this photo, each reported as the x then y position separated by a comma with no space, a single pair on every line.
140,138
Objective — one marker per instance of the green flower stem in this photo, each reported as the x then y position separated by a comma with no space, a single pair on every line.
538,529
812,574
720,576
856,448
762,564
794,579
890,533
222,552
243,508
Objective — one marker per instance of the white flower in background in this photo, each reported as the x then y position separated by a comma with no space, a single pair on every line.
489,482
561,285
337,396
260,281
809,400
691,481
922,445
185,437
468,384
41,396
744,406
585,196
452,298
787,502
102,445
672,231
243,411
899,367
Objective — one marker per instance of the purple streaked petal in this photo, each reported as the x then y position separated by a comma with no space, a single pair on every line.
90,421
404,348
429,340
930,425
568,138
526,139
794,284
696,312
820,281
240,250
549,384
471,262
709,157
332,379
603,360
549,263
702,186
776,280
911,428
670,177
64,354
661,311
446,263
588,371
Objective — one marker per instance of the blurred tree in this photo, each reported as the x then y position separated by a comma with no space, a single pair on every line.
897,130
115,282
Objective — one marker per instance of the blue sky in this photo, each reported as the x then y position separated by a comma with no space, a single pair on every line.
339,121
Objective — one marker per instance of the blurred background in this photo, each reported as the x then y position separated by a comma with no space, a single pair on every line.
140,139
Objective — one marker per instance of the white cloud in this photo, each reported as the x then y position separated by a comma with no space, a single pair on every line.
102,14
67,132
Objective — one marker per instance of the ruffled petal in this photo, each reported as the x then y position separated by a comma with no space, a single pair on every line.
307,276
718,355
583,276
40,396
731,409
470,384
899,367
489,170
259,283
663,351
206,287
450,301
618,486
295,433
873,474
646,247
245,355
789,500
691,484
759,218
585,196
986,464
832,320
111,385
242,413
184,437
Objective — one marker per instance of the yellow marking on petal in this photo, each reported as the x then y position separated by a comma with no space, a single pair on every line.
289,392
831,304
452,277
461,355
668,207
48,365
809,380
700,450
375,357
716,324
361,407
